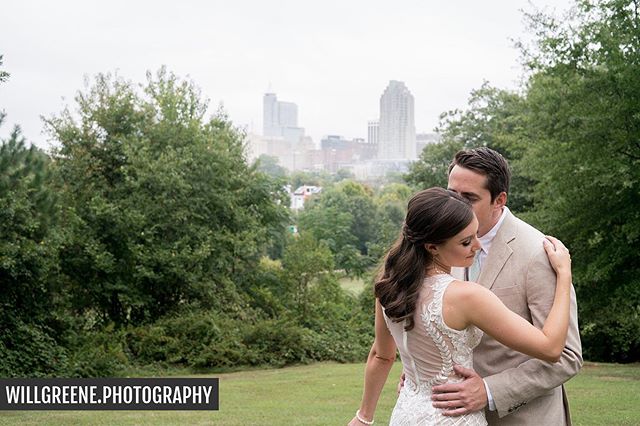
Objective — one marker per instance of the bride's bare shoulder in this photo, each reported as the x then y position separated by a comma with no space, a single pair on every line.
466,290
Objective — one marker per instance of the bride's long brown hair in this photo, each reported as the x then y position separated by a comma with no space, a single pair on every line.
433,216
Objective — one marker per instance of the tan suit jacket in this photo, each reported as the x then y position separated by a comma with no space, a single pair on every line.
526,391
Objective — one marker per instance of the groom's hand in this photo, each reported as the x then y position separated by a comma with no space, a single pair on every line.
461,398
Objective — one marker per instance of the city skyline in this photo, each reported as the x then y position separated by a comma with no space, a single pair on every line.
331,59
390,146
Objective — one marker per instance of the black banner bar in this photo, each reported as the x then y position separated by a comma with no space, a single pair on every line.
109,394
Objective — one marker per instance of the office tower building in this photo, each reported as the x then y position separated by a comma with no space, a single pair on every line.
372,133
397,133
284,139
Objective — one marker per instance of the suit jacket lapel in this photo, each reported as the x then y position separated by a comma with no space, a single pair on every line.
499,252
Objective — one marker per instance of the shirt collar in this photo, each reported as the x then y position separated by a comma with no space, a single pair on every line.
487,239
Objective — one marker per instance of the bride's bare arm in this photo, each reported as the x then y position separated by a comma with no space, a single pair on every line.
379,363
479,306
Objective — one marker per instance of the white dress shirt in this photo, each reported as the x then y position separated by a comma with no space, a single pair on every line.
485,241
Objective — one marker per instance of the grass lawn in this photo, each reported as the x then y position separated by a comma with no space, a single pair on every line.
605,394
328,394
352,285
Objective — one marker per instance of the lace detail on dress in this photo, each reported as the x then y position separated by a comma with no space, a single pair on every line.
463,341
414,408
414,405
430,321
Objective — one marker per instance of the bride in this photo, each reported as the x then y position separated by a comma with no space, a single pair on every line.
435,321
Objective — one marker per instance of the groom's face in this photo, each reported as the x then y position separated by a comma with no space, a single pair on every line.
473,186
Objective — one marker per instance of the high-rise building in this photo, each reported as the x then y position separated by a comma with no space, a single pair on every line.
424,139
269,115
337,153
284,139
287,114
278,117
256,146
397,133
372,133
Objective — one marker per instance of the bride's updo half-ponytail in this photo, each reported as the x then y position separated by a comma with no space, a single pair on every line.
434,215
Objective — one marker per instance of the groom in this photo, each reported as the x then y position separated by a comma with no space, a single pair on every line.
513,388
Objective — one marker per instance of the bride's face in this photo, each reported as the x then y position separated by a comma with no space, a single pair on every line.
459,250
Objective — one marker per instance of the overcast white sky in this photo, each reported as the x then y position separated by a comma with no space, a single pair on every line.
332,58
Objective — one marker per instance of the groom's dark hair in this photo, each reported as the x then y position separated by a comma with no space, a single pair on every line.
487,162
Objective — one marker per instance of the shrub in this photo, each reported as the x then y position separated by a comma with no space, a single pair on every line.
98,353
279,343
29,350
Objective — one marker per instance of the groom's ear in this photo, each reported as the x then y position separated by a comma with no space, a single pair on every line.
501,200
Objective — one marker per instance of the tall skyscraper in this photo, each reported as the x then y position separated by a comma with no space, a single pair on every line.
372,132
278,116
397,132
284,139
287,114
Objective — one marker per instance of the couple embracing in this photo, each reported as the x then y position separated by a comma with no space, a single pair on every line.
479,305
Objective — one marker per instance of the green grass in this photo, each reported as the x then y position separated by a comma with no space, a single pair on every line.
605,394
352,285
328,394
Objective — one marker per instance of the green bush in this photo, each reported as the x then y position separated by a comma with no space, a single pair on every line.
98,353
279,343
149,344
201,339
341,326
29,350
613,335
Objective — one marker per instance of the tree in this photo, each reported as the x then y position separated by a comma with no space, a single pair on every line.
390,211
494,118
343,174
582,98
268,165
571,136
305,259
4,76
328,224
29,242
165,209
432,167
299,178
343,217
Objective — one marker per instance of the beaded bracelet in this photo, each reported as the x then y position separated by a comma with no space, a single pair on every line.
361,420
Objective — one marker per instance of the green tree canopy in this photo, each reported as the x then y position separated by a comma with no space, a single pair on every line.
391,205
165,207
583,102
572,138
343,216
305,259
29,240
494,118
269,165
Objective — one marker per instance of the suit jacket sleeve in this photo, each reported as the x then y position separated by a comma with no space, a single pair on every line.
516,386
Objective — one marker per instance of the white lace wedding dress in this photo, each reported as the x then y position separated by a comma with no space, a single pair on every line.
428,353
